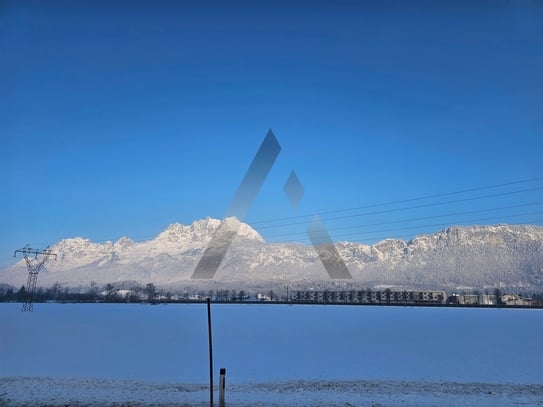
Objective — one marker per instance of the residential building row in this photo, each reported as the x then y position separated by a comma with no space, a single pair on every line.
370,296
407,297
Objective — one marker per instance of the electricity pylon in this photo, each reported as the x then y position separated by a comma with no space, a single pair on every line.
35,260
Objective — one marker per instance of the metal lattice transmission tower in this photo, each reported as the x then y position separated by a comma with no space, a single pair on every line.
35,260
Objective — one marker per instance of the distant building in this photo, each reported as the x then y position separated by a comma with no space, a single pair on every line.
488,299
263,297
370,297
512,299
473,299
194,297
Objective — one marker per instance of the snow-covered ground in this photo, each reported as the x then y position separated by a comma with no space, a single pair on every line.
21,391
118,354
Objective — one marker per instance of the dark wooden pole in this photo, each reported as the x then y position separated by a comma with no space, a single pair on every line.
210,352
222,384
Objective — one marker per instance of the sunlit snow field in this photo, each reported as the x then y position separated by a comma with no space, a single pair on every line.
340,351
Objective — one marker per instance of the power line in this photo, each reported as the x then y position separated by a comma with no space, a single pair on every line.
374,237
398,201
145,238
408,207
443,223
414,219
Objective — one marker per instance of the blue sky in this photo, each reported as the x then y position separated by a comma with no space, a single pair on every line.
119,118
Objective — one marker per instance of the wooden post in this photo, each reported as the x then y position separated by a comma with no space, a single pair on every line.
222,382
210,352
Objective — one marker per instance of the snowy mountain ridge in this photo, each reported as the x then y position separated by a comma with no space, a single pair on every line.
504,256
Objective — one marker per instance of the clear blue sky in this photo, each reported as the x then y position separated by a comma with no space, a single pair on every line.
119,118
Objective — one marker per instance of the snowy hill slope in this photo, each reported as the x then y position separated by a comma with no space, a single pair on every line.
505,256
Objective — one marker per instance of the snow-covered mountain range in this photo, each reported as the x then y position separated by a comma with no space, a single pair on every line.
478,257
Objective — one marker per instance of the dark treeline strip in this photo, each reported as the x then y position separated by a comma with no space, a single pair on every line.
150,294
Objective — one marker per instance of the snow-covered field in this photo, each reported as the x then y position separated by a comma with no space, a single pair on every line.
117,354
98,392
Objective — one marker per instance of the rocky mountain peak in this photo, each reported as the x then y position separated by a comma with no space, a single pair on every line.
469,256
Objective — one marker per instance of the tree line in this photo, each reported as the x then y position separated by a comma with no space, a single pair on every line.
135,294
152,294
